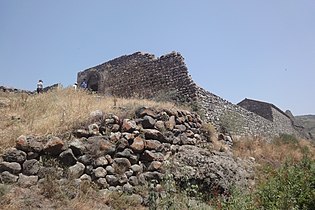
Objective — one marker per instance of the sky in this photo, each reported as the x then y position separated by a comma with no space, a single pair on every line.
263,50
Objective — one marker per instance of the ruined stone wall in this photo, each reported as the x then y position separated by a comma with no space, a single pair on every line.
282,122
262,109
144,75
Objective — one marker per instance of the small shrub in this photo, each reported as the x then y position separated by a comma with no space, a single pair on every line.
208,130
286,139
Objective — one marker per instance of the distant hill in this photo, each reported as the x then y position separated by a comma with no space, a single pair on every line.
308,121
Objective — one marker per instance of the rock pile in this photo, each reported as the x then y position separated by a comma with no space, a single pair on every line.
120,154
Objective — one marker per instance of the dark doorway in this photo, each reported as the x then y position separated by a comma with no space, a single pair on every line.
93,82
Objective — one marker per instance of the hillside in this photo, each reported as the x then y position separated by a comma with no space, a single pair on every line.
308,121
68,149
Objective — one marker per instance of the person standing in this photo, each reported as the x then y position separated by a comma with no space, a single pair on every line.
84,84
40,86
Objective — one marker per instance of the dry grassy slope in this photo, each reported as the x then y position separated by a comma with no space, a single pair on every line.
308,121
57,112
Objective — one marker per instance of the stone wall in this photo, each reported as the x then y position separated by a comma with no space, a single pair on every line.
122,154
141,75
144,75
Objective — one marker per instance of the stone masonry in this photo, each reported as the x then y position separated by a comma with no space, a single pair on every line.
144,75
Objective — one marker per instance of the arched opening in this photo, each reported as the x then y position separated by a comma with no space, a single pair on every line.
93,81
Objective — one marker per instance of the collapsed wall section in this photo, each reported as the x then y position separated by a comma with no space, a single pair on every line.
142,75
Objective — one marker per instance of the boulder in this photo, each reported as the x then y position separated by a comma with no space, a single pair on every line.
29,144
170,124
154,166
138,145
31,167
148,122
76,171
146,111
149,156
101,161
54,146
153,134
78,147
100,172
152,144
12,167
67,158
112,180
128,126
211,169
110,170
8,178
14,155
102,183
121,165
137,169
27,181
133,180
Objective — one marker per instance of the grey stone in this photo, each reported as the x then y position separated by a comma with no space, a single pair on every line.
122,179
14,155
101,161
129,173
110,170
148,122
12,167
102,183
8,178
137,169
112,180
78,147
86,177
76,170
86,159
31,167
100,172
128,188
121,164
27,181
133,180
153,134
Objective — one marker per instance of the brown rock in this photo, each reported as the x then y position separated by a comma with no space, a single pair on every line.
154,166
152,144
153,134
151,156
137,145
143,111
170,124
54,146
128,125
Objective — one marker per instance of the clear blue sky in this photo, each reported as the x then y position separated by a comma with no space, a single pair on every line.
259,49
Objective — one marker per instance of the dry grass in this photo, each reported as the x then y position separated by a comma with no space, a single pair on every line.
58,111
274,153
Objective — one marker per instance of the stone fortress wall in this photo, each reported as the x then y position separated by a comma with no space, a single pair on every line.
144,75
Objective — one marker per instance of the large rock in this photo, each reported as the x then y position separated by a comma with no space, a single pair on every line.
14,155
137,145
8,178
78,147
149,156
29,144
100,172
67,158
76,171
121,165
128,153
112,180
128,126
153,134
12,167
146,111
211,169
152,144
54,146
148,122
27,181
31,167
